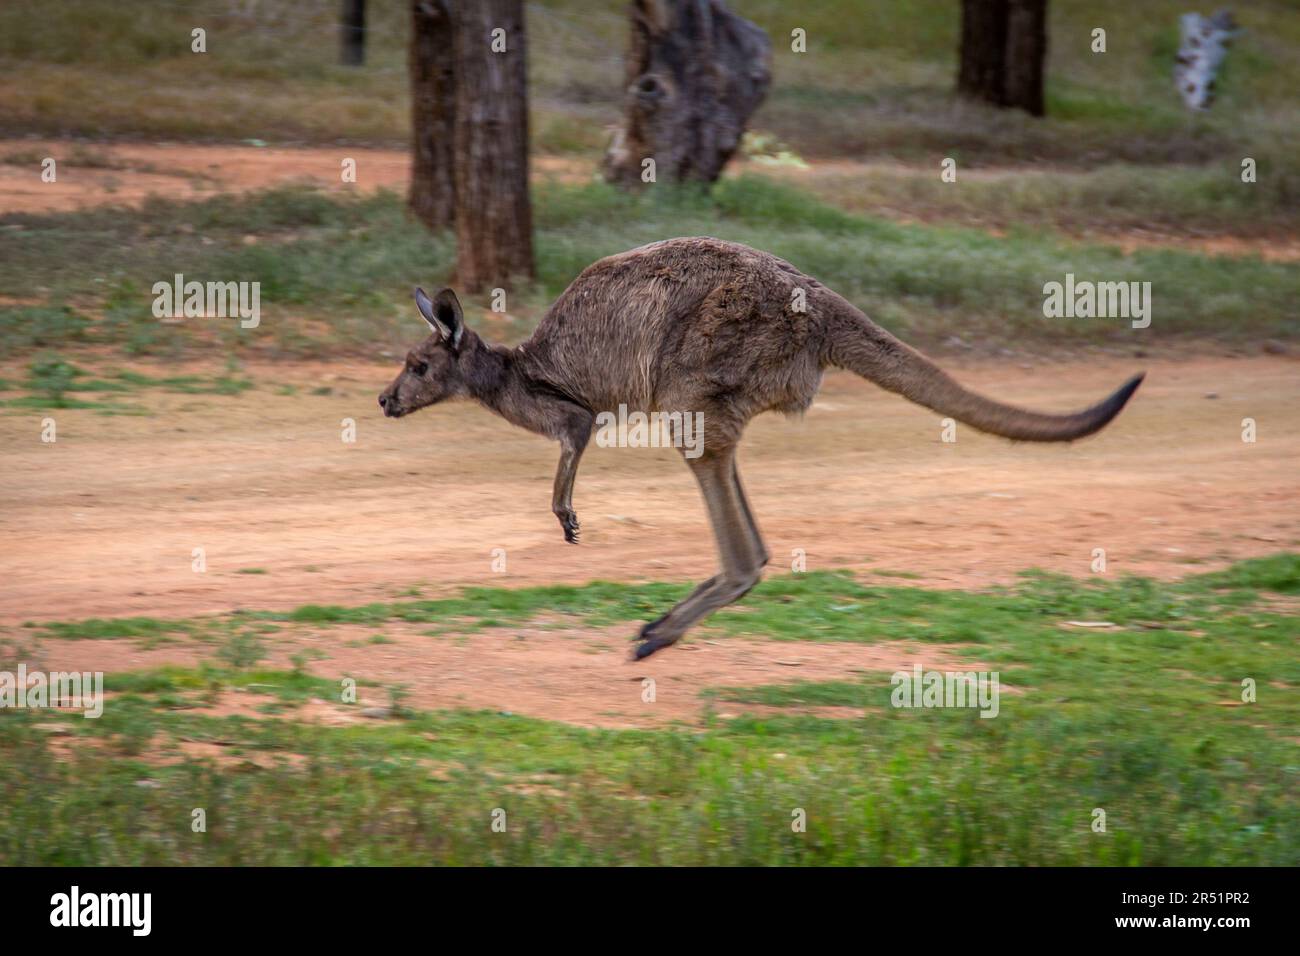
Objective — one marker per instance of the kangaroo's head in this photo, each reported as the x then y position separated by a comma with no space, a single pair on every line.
433,371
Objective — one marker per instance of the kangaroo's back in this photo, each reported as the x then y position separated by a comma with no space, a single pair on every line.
696,323
651,326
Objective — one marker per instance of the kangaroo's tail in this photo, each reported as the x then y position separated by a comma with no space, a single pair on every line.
856,343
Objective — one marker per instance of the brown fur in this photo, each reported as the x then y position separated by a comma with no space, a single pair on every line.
692,325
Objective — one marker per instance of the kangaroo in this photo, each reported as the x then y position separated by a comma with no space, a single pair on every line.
692,325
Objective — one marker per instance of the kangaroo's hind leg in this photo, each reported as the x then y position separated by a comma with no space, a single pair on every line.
740,552
756,539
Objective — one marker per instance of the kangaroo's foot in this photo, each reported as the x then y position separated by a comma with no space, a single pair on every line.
651,644
645,632
714,593
663,631
569,522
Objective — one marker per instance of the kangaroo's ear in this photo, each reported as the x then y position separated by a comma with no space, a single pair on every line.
444,315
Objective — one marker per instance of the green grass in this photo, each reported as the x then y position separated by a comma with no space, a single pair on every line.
99,628
42,326
1180,200
1134,720
336,271
51,379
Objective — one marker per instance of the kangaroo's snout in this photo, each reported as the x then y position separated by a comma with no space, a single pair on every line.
388,402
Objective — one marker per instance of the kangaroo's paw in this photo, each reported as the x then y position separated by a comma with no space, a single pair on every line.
648,647
647,629
653,636
569,522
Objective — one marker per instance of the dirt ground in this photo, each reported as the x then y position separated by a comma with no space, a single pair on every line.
127,173
544,669
104,522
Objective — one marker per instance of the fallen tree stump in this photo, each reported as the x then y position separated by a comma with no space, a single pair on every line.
696,72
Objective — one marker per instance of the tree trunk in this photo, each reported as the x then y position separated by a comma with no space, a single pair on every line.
1026,54
695,73
432,195
983,50
1003,50
494,223
352,33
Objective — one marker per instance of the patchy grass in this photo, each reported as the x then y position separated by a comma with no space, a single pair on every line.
336,271
52,381
99,628
1112,197
1145,721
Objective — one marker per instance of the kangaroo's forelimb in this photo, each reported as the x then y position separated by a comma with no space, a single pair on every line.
573,442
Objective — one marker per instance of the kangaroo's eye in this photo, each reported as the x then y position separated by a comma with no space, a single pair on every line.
421,368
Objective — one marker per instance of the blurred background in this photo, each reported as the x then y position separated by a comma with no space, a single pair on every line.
858,124
354,641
